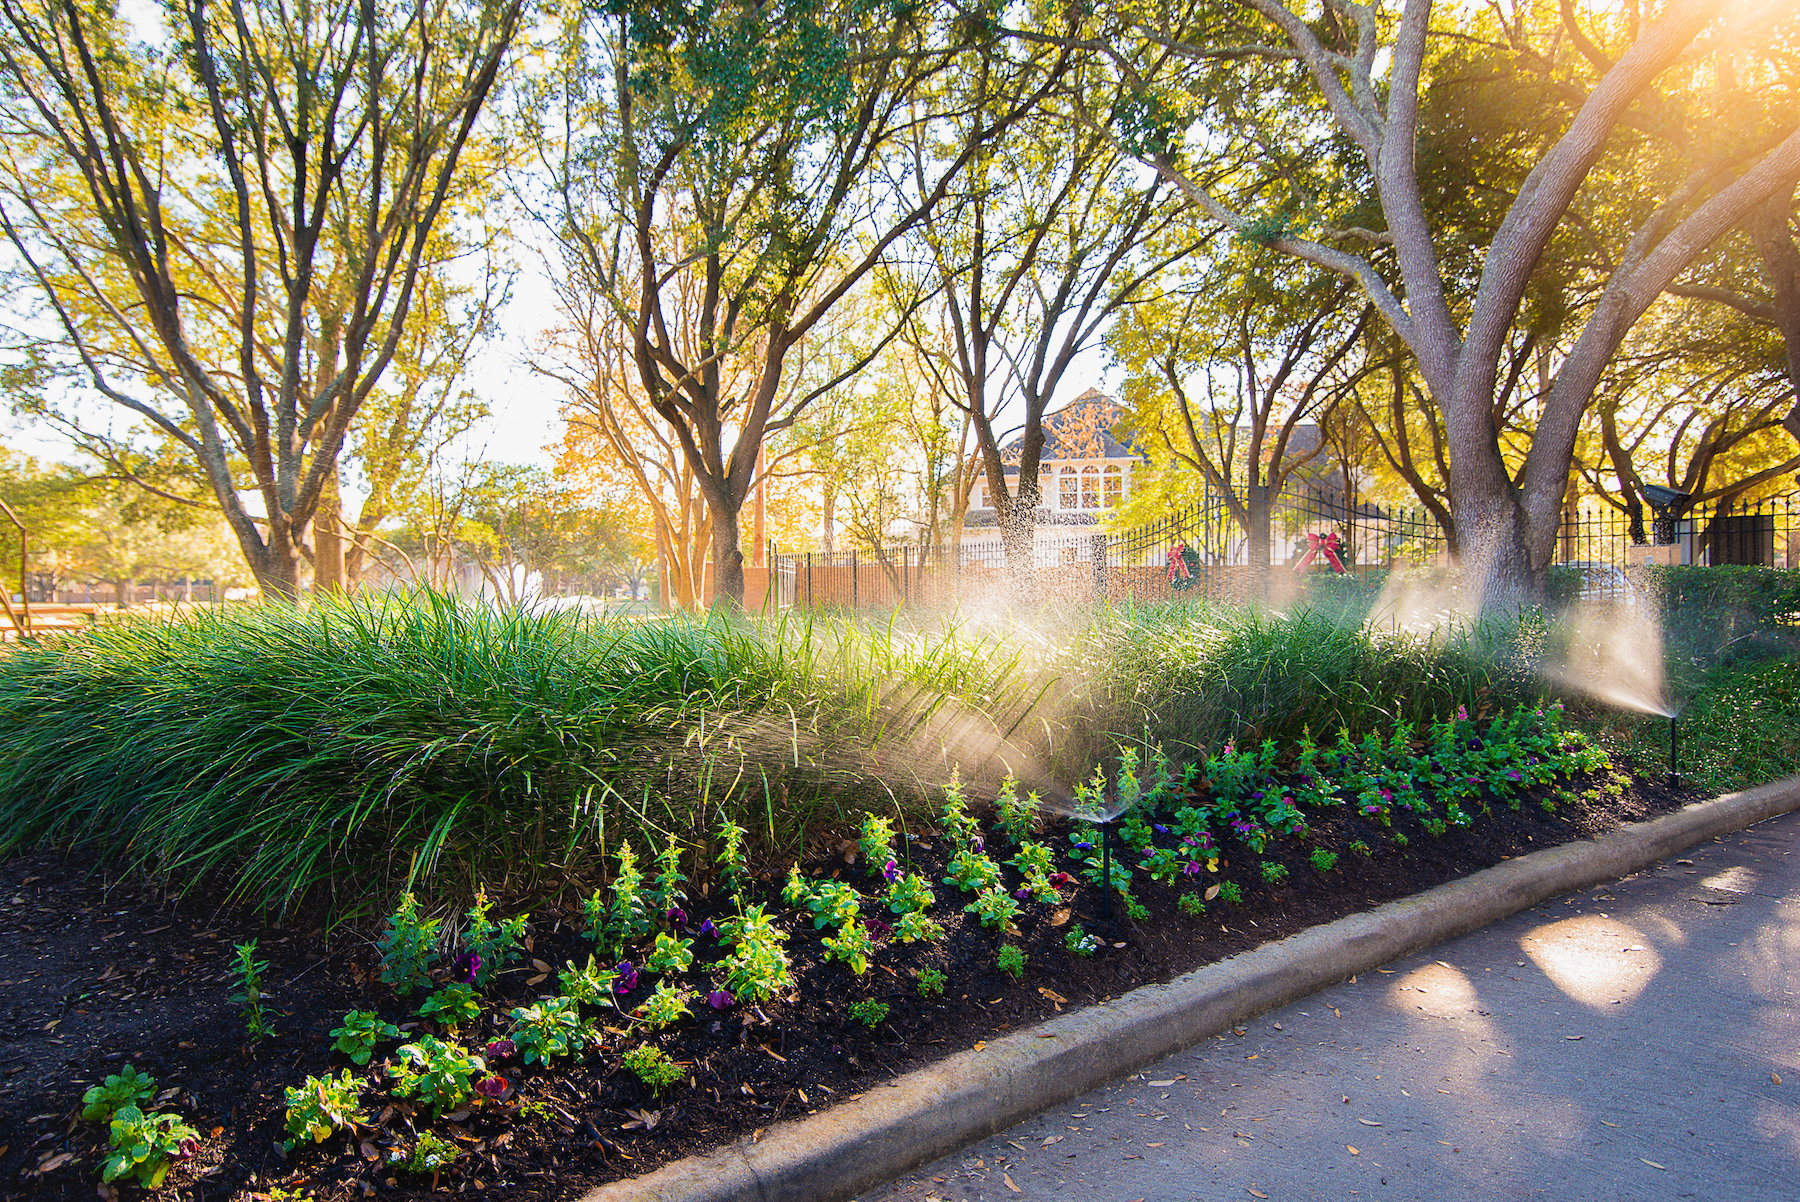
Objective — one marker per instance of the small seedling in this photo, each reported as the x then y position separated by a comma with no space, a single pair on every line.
1190,904
670,955
852,946
916,927
593,984
875,843
652,1067
249,971
994,907
1012,961
1231,891
431,1155
435,1073
1323,860
870,1014
1080,942
931,982
1273,871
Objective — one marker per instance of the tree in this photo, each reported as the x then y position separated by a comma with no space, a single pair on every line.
1367,78
1225,369
1046,239
748,148
226,228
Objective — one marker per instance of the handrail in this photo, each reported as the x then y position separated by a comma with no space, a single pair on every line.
22,620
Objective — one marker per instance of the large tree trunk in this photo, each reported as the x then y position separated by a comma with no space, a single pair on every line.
727,559
1771,230
328,539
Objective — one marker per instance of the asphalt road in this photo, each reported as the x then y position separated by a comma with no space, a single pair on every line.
1640,1041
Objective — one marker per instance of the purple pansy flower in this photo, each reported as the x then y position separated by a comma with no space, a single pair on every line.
1192,868
491,1087
628,977
1082,846
878,928
708,929
976,845
1060,879
501,1049
890,871
677,917
718,999
467,965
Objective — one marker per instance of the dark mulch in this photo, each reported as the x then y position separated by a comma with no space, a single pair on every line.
96,971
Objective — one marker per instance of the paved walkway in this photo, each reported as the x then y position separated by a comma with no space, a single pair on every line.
1640,1041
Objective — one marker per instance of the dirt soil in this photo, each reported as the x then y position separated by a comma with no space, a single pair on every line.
97,972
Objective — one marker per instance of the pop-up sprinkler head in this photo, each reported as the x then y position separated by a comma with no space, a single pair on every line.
1106,902
1674,775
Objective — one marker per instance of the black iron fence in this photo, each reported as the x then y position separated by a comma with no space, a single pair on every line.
1307,533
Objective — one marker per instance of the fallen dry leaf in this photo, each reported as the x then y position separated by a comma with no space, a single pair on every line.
1054,996
541,966
1353,1151
1611,1124
1654,1165
1368,1122
1050,1139
1212,892
1775,1077
1256,1193
1169,1082
537,980
979,1044
1007,1177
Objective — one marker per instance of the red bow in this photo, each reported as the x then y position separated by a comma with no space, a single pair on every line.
1178,568
1328,543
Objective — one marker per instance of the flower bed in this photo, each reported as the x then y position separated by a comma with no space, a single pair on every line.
696,997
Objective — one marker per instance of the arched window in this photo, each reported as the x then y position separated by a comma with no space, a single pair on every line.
1090,487
1115,485
1066,498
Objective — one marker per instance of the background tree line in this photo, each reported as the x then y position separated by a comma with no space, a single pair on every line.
816,264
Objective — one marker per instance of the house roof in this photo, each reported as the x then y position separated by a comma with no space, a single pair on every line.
1082,429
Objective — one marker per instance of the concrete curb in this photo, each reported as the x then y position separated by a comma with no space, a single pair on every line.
878,1135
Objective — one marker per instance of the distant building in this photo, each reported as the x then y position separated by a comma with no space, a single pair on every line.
1084,471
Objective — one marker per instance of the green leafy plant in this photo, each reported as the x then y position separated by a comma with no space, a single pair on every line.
670,954
1231,891
852,946
652,1067
833,904
931,982
1034,864
495,945
869,1013
1080,942
141,1146
551,1028
667,1004
1273,871
1361,848
1017,815
431,1154
409,947
734,869
875,842
1323,860
1011,961
322,1105
908,893
454,1006
757,967
797,891
360,1032
916,926
249,970
127,1087
668,892
994,907
971,871
591,984
435,1073
1190,904
956,822
629,915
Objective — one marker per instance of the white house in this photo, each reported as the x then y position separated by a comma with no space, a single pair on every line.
1084,471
